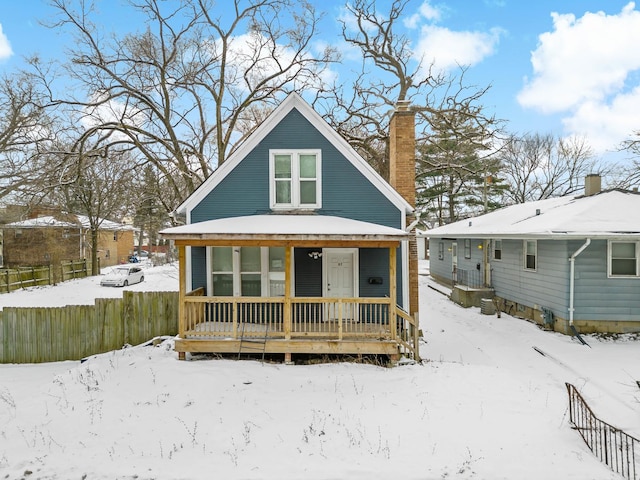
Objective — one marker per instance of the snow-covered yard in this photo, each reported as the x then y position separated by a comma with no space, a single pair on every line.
483,405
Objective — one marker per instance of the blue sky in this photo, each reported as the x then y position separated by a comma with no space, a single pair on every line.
555,66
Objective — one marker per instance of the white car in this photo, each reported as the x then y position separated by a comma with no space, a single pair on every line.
123,276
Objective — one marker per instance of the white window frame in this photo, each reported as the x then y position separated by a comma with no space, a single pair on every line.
610,274
266,275
494,244
525,254
295,179
440,250
467,248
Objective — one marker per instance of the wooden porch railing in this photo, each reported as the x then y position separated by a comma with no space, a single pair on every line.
408,334
309,317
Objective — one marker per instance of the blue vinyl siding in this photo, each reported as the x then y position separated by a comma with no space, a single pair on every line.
596,297
345,192
308,274
548,286
374,263
198,267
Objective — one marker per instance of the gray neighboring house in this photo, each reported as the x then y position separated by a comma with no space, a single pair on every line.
563,262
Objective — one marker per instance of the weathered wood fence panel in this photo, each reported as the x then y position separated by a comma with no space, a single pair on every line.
22,277
35,335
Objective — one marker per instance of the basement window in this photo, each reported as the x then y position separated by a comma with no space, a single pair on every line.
623,259
530,254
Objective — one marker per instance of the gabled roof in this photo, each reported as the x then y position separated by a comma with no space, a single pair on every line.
284,227
608,214
294,101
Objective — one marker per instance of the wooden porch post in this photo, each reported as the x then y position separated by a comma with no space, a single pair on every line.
182,269
287,300
392,291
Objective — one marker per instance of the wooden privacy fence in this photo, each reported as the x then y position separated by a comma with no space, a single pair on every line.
22,277
35,335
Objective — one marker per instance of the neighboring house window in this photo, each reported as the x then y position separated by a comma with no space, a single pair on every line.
115,236
18,232
440,250
467,248
530,254
623,259
497,249
295,179
248,271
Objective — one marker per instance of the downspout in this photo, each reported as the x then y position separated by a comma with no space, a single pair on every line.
572,260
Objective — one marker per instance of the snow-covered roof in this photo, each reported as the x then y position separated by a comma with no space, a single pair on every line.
608,214
292,101
284,227
47,221
83,221
105,224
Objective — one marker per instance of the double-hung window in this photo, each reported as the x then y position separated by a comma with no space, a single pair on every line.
295,179
497,249
530,254
467,248
247,271
623,259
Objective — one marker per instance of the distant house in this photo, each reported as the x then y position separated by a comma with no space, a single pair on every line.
297,242
51,239
568,261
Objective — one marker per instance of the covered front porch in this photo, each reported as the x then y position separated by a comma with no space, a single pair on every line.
337,321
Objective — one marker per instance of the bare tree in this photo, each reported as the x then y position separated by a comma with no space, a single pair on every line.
542,166
389,73
94,181
176,91
26,131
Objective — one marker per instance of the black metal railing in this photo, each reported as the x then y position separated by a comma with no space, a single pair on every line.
611,445
468,278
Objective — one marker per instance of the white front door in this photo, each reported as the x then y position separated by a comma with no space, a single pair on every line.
340,278
340,274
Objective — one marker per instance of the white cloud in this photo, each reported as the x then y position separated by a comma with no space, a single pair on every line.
425,12
583,60
606,125
583,68
446,49
5,46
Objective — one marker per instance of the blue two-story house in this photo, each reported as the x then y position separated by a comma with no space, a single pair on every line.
295,245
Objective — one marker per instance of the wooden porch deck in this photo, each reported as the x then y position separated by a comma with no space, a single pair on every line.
296,325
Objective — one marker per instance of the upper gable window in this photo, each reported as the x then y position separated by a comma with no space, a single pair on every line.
295,179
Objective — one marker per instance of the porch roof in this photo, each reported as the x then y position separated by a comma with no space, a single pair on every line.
283,227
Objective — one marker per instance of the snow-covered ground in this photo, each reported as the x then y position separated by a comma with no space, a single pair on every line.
484,405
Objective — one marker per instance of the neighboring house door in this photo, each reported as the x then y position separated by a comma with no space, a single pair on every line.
340,278
454,262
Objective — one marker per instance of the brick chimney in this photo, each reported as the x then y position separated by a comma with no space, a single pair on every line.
402,151
592,184
402,177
